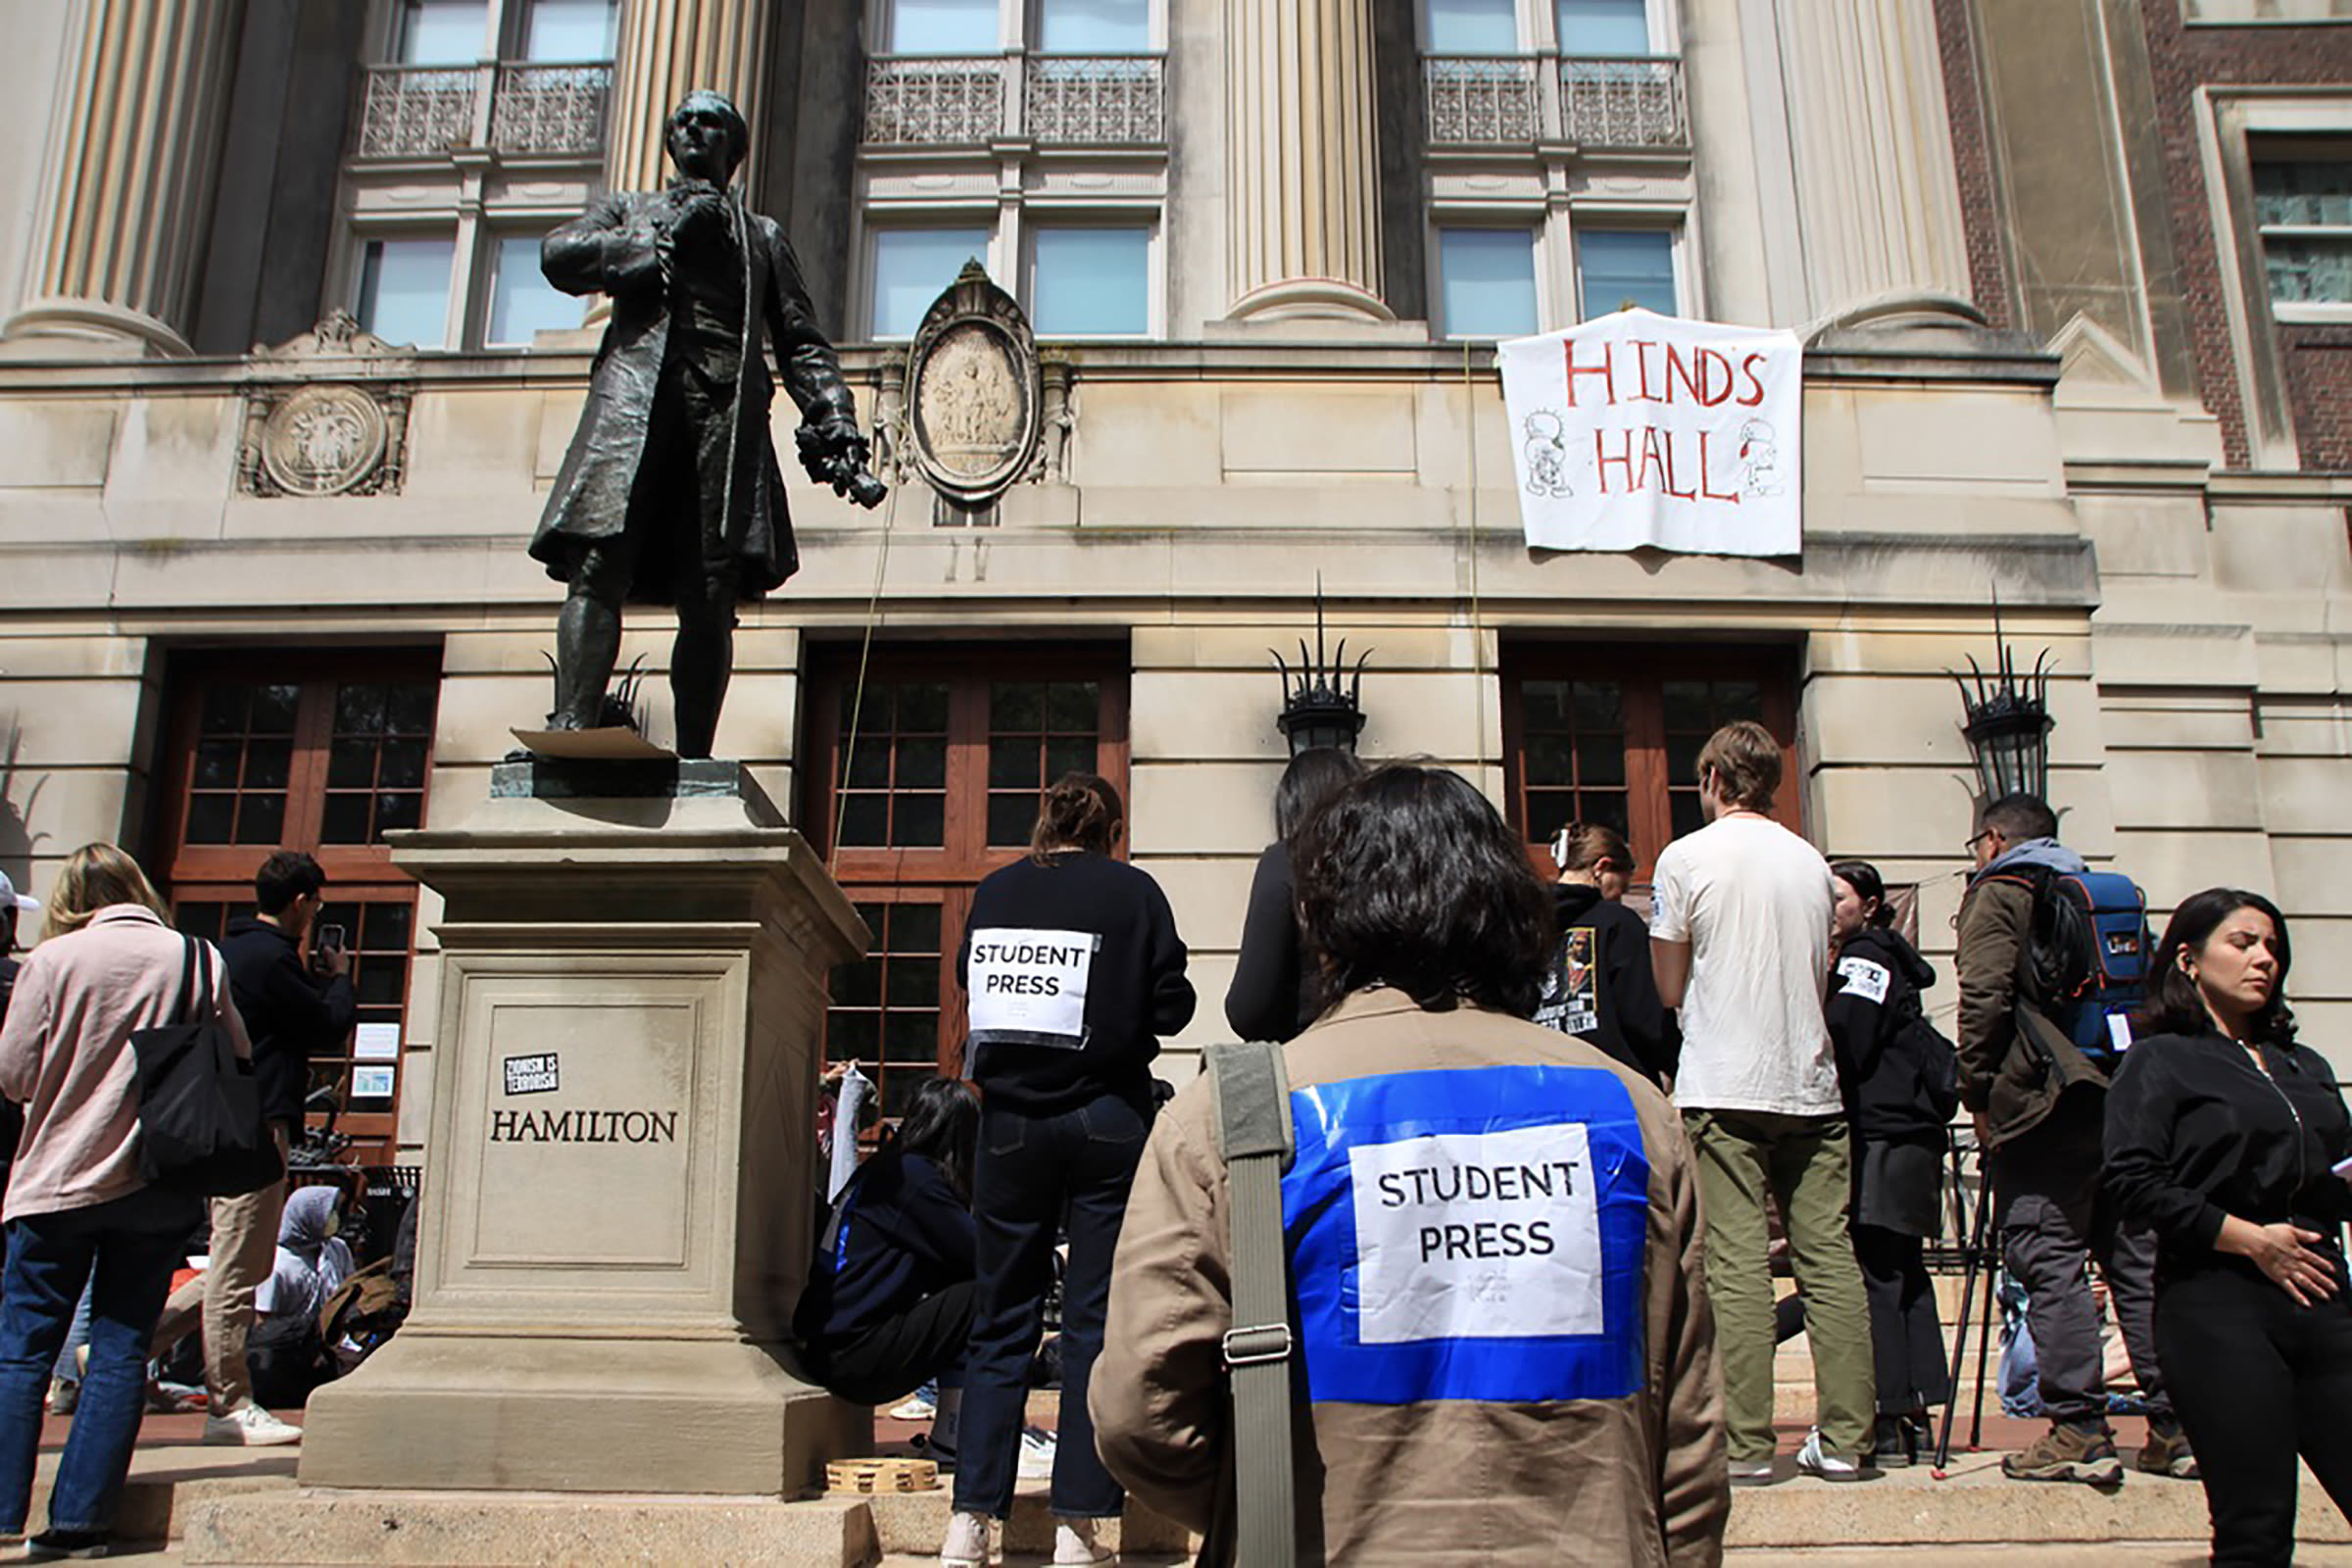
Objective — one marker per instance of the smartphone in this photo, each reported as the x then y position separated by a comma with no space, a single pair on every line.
330,937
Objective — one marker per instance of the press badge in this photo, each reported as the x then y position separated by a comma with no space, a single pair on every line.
1470,1234
1028,988
1865,979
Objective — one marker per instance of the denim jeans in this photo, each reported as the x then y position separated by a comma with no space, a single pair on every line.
125,1250
1033,1174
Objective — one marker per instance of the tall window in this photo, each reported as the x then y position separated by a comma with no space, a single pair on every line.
917,791
324,753
480,129
2303,212
1060,107
1487,282
1621,267
1612,734
1603,27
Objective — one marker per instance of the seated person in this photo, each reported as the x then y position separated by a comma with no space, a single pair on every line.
889,1300
287,1354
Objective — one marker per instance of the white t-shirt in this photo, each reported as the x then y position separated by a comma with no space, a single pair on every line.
1754,902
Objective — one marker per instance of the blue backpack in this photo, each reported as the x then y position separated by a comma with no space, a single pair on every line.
2088,955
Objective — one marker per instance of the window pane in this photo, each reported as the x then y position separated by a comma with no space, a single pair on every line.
914,265
1094,27
944,27
1473,28
521,299
1092,282
1487,281
2302,192
2309,271
571,30
441,32
404,290
1626,267
1603,27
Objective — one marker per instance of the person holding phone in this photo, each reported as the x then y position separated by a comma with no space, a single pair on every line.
2227,1139
293,1011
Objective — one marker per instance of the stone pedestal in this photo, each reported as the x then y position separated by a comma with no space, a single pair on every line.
617,1193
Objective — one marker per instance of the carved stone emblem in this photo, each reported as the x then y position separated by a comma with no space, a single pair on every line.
321,440
973,392
326,413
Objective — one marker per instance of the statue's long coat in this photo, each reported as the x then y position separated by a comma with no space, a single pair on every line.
610,249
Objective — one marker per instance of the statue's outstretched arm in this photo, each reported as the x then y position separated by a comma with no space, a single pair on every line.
833,449
604,250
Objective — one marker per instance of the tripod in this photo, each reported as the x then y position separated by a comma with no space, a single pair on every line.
1977,1255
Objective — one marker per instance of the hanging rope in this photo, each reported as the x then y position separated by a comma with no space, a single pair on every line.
897,433
1478,624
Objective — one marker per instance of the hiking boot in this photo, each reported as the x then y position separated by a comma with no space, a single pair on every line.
1816,1459
2166,1452
2067,1453
1894,1445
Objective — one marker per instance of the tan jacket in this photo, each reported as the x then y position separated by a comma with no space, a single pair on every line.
2015,1061
1632,1480
65,1055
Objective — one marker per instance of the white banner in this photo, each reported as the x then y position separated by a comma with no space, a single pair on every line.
1644,430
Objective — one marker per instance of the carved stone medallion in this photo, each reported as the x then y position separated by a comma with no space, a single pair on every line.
973,391
326,413
323,440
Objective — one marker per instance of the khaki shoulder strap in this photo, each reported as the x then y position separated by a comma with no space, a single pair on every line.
1254,1140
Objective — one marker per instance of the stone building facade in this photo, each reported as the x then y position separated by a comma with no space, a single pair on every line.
282,395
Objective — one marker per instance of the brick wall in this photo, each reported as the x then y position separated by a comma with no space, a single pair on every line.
1971,157
2318,360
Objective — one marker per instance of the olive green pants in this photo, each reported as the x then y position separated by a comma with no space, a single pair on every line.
1806,1164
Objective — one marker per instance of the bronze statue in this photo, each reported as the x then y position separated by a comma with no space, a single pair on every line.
671,494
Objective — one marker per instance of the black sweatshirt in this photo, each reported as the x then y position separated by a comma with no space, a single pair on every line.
1269,997
905,1235
1600,988
1085,917
1874,992
290,1016
2196,1132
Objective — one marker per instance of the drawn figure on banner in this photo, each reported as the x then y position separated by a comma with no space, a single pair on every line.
1570,1000
1759,459
1546,455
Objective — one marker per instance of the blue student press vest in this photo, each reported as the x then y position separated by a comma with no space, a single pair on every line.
1469,1234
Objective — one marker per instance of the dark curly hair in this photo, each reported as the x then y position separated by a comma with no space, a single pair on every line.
1408,877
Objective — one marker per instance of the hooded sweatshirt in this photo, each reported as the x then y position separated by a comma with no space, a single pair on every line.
1599,987
2015,1062
1874,984
312,1260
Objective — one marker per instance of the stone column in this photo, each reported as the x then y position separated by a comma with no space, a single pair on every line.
667,49
133,161
1878,198
1303,161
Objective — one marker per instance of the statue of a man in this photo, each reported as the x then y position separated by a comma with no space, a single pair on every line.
671,494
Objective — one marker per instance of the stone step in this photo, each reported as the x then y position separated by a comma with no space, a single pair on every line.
168,1482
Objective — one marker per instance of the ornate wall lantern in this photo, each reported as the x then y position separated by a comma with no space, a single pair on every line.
2009,722
1322,705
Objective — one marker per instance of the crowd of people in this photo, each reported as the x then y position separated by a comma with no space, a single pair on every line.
1538,1155
1548,1158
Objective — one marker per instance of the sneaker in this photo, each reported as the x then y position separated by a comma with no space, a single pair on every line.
1816,1459
54,1545
249,1426
1037,1454
2067,1453
966,1545
63,1396
1074,1543
1756,1474
2166,1452
921,1406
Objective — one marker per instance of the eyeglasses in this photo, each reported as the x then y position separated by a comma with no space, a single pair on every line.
1970,846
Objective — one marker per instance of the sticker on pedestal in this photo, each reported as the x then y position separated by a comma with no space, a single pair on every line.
532,1075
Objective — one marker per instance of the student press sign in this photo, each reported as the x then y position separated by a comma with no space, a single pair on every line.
1644,430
